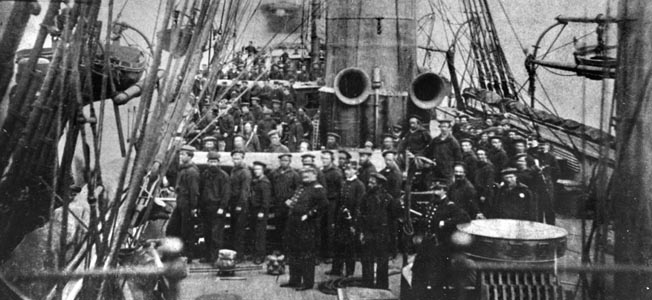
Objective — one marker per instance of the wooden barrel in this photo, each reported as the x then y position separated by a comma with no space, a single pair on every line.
506,240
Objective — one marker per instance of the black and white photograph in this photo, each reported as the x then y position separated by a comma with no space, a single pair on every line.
325,149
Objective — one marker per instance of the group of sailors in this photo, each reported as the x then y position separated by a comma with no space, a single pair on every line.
498,173
350,210
252,126
255,64
322,212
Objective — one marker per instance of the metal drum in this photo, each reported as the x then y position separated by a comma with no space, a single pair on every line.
505,240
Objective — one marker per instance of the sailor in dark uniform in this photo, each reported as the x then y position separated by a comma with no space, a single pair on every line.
308,160
378,209
469,157
484,181
240,192
509,137
343,159
307,203
251,49
215,190
444,150
389,142
285,180
210,143
261,198
277,113
187,190
265,125
432,272
512,199
332,141
393,186
416,139
463,193
247,115
520,148
294,133
366,167
497,154
333,177
346,214
393,174
531,176
226,124
256,109
550,168
275,143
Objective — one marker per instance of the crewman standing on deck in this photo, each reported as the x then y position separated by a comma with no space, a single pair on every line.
346,215
366,167
275,143
431,271
463,193
215,190
261,197
484,181
333,178
497,155
307,203
332,141
392,173
285,181
513,200
187,190
378,209
343,159
393,185
240,192
416,139
444,150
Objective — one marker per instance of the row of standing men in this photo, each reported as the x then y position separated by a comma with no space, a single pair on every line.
214,194
326,201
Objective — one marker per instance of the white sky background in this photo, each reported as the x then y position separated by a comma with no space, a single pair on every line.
529,18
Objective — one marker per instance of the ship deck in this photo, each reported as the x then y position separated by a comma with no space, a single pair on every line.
259,285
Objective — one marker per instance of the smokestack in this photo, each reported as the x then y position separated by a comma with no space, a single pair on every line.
365,40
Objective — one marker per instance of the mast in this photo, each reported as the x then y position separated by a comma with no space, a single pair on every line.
632,193
14,28
314,39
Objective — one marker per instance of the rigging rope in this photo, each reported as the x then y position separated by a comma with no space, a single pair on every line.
572,42
495,54
486,48
123,8
511,26
474,45
554,41
509,83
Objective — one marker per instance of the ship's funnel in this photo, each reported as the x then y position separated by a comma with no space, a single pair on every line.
352,86
428,90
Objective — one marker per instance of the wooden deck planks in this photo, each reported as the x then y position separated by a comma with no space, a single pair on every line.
259,285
